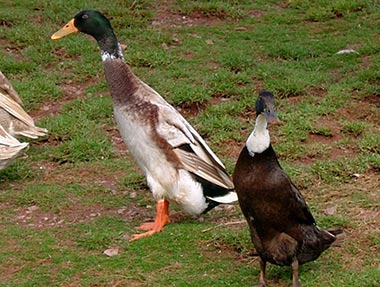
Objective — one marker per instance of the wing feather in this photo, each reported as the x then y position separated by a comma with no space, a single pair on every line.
15,109
196,165
203,162
10,148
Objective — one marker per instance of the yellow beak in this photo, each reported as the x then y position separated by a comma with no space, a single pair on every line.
65,30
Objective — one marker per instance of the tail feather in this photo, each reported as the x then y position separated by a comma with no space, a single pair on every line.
339,234
32,132
318,241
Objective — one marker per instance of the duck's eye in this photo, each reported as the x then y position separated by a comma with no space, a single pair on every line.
85,16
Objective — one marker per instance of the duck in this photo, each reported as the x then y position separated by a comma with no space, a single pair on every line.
10,148
282,228
13,117
178,165
14,122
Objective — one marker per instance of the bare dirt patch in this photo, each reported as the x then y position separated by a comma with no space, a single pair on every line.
375,100
11,49
165,17
35,217
191,110
255,13
72,91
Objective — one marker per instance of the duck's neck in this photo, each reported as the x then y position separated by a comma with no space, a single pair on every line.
122,82
109,46
259,139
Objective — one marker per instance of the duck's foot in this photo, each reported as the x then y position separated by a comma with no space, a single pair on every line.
142,235
295,265
146,226
263,265
162,218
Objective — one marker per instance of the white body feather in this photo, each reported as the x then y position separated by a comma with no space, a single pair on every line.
168,180
164,180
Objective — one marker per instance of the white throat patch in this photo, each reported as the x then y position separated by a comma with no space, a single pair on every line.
259,140
108,56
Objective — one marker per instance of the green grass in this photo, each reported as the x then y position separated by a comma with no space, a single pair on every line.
79,193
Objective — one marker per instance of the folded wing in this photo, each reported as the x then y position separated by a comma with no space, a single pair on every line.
191,149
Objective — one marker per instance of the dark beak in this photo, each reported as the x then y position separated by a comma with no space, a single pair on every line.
272,118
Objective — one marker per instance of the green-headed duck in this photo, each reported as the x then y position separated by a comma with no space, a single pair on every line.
176,161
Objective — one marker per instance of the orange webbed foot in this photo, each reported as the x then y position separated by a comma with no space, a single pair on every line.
146,226
162,218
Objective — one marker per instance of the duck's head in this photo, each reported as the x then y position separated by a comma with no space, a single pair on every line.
94,23
265,106
259,140
90,22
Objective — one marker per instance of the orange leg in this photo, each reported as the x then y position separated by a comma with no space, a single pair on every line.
162,218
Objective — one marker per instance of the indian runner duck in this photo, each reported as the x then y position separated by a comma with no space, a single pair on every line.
13,117
282,227
10,148
177,163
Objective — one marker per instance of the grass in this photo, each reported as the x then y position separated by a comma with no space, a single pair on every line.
79,193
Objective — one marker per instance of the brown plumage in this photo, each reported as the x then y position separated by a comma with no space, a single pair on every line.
283,230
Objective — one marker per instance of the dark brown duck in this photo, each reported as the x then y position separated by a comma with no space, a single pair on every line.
282,228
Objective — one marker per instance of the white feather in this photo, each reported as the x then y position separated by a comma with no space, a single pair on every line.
228,198
108,56
189,194
164,180
259,140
